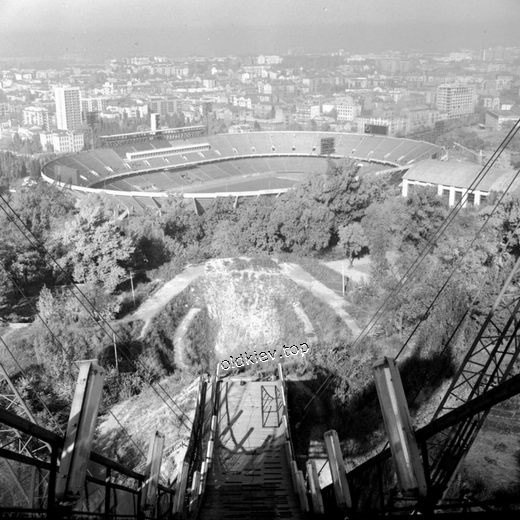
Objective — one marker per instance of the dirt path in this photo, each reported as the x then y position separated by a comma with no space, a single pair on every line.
359,272
155,303
162,296
11,329
301,277
178,339
307,325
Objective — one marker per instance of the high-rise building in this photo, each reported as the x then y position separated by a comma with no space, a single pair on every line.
155,122
68,108
456,100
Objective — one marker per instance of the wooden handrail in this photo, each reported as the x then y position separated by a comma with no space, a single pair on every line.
481,403
55,440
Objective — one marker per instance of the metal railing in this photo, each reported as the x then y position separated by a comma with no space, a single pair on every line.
193,455
197,494
199,454
272,408
297,478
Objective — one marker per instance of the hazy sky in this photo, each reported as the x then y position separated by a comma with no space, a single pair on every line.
240,26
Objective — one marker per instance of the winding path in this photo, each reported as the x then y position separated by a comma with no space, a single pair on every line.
306,322
157,301
302,278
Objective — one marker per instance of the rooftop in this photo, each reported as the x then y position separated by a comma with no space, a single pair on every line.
461,175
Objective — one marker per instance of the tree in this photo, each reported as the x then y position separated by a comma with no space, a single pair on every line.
341,191
14,166
253,228
99,251
5,291
23,263
224,241
425,213
75,335
505,222
468,138
352,240
28,267
383,226
151,250
301,225
40,206
182,224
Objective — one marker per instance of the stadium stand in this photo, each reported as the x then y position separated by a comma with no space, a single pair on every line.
383,148
262,155
400,151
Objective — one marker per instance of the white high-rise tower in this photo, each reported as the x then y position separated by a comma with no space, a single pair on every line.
68,108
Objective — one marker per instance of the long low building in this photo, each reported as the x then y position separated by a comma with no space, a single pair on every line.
456,180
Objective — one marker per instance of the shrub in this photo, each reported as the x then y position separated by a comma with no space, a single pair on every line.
159,338
199,343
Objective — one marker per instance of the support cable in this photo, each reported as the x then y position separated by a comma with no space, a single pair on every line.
91,309
423,254
454,270
57,426
430,378
60,345
440,231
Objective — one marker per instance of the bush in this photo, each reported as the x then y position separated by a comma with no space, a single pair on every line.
120,386
159,338
199,343
328,325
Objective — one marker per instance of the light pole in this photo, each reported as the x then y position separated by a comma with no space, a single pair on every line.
132,286
343,278
115,351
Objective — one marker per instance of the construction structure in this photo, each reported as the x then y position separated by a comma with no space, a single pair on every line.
240,461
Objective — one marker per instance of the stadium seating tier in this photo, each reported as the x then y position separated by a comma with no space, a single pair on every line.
251,161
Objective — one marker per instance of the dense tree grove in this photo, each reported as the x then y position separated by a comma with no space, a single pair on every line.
99,251
15,165
341,212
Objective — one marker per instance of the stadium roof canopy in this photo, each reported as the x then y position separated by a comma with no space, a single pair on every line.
461,175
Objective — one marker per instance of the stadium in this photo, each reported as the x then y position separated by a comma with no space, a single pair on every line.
143,170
